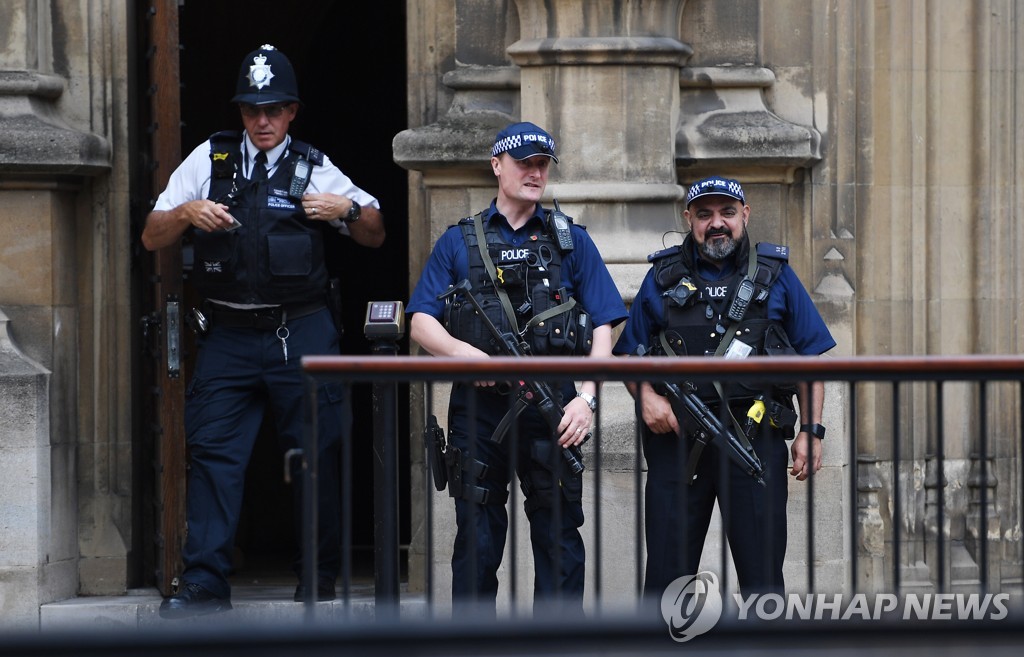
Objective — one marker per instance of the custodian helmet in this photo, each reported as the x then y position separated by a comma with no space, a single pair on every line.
266,76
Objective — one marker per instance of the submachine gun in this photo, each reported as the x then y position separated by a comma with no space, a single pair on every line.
537,393
685,402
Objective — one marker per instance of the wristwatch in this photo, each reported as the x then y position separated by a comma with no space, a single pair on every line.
815,430
590,399
353,212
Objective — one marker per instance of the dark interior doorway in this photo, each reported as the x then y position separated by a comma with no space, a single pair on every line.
350,61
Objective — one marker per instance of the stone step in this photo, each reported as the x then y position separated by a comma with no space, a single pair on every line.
252,605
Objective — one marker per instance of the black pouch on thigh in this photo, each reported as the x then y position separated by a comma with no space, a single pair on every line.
539,484
467,476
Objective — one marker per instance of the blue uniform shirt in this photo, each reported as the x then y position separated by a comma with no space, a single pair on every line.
584,274
788,303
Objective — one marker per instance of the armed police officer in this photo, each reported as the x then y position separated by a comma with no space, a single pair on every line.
539,278
255,206
716,294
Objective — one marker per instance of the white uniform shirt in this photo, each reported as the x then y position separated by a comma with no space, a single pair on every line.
191,180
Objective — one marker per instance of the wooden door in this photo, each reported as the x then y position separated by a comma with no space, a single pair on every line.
165,318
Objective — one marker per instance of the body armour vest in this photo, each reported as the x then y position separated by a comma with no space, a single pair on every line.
531,277
276,255
696,313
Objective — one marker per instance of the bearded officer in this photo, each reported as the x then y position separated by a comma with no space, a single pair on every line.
719,295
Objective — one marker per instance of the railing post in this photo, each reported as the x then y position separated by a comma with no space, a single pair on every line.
310,510
384,327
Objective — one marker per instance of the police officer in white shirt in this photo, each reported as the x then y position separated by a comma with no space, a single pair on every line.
255,206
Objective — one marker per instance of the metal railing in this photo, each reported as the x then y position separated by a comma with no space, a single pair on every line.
899,501
928,491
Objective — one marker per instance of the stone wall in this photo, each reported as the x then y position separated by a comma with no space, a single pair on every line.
878,141
64,294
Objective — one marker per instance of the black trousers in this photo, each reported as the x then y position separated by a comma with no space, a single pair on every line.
551,496
677,515
241,373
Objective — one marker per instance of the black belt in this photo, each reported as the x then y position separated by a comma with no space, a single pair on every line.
265,319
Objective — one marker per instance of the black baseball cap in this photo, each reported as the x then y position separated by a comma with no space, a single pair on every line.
523,140
715,185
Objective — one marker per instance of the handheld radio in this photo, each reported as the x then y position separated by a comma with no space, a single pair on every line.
744,294
560,227
301,172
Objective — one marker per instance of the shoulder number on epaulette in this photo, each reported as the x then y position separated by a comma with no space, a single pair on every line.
777,251
311,153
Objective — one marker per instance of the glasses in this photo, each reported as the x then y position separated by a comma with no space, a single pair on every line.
271,111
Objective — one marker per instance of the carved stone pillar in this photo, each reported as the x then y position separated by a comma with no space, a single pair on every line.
50,220
871,539
603,78
24,500
726,126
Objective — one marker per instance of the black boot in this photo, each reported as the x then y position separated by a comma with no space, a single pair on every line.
193,600
324,592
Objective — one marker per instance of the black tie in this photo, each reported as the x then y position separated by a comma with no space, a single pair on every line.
259,167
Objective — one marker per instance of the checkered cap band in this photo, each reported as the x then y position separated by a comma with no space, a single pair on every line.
542,143
721,186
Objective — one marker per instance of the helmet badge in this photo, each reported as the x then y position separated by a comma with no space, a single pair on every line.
260,74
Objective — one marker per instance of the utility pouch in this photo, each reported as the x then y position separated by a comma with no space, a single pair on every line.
434,439
782,417
583,339
776,342
540,334
566,334
462,322
571,333
453,466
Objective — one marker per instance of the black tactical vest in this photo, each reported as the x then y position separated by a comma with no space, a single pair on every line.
277,255
530,275
696,312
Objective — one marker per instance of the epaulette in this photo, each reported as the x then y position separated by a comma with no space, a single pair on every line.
465,221
311,153
770,259
664,253
226,135
776,251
